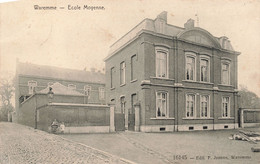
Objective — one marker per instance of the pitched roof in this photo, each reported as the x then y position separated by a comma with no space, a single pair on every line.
60,73
60,89
150,25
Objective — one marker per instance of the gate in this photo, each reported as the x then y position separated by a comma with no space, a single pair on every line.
131,122
119,121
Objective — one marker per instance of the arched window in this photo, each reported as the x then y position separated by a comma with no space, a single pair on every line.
190,66
161,62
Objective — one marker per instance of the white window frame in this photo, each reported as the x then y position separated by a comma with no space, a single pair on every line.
30,84
166,105
208,71
222,77
87,90
228,107
186,106
191,55
122,104
122,73
166,51
208,106
133,102
101,93
72,86
133,67
112,76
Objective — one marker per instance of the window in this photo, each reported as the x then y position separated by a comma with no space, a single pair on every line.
101,93
133,101
112,77
32,84
161,104
225,73
87,90
225,107
190,105
161,63
190,68
133,67
72,86
204,70
204,106
122,73
122,104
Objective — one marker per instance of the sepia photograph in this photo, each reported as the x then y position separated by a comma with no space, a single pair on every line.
131,82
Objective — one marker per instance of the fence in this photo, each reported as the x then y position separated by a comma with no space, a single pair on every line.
249,117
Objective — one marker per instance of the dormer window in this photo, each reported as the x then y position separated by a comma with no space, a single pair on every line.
32,84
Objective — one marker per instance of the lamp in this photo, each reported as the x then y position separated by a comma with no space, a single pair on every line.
50,95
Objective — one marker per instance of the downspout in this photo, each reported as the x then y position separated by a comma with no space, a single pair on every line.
213,57
35,116
176,77
235,93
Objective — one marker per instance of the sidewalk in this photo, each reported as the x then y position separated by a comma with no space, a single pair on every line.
22,144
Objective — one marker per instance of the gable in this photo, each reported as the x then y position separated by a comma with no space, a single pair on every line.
200,36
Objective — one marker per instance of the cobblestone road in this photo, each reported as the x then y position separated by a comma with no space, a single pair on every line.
21,144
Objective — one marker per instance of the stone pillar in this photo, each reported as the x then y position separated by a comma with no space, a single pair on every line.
242,118
112,118
137,117
9,116
126,119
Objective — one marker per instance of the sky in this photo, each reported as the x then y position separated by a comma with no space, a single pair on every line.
81,38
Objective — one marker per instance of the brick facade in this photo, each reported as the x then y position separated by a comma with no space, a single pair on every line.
172,85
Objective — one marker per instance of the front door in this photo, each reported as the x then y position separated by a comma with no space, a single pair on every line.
119,121
131,121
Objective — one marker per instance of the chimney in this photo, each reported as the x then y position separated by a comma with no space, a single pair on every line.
189,24
162,16
160,22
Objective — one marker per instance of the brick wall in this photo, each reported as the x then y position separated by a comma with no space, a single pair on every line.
73,116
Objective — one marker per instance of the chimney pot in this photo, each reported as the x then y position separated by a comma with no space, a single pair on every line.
189,24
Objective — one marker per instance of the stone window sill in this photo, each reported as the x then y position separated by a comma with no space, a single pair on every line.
112,88
132,81
199,82
161,78
226,118
163,118
225,85
199,118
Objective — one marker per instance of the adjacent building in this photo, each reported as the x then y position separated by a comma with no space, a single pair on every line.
180,78
74,98
30,78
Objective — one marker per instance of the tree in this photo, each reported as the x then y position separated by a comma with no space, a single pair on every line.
6,94
248,99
